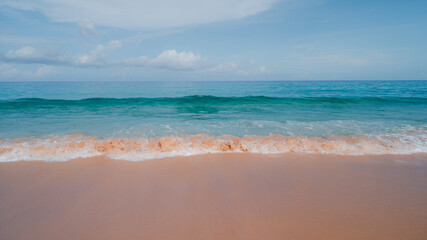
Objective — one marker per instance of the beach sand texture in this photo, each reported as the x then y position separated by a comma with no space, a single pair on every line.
217,196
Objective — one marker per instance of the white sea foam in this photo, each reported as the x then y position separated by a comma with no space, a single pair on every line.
135,149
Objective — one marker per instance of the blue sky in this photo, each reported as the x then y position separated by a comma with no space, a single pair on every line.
69,40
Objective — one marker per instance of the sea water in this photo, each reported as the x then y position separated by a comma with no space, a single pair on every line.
142,120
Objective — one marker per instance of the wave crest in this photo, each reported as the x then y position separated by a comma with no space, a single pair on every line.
75,146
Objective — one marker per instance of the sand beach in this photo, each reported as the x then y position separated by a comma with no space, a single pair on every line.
217,196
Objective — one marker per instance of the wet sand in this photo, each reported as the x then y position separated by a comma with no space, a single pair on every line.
217,196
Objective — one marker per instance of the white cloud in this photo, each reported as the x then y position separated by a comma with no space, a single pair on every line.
169,59
98,56
28,54
114,45
87,28
25,52
245,70
44,70
8,71
144,13
174,60
263,69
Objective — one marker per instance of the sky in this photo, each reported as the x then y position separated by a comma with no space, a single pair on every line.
215,40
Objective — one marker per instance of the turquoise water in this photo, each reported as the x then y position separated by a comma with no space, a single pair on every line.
155,109
134,109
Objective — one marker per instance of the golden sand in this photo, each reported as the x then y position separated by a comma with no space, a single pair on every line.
217,196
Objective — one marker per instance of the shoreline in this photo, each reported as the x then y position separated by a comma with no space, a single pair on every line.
400,157
77,146
217,196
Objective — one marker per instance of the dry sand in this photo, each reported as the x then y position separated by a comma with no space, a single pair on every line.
217,196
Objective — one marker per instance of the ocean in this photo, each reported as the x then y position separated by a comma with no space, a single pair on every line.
144,120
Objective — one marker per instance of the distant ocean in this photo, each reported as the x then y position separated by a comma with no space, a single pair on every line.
142,120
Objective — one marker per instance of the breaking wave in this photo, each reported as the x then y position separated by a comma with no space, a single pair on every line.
135,149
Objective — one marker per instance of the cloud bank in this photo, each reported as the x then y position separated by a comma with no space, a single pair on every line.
99,57
171,60
134,14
